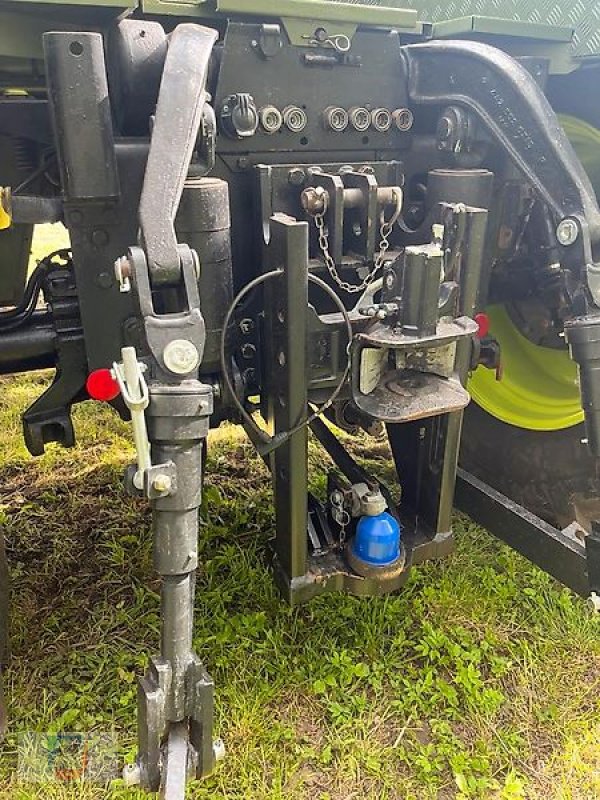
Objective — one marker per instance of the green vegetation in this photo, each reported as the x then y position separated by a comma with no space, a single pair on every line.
481,679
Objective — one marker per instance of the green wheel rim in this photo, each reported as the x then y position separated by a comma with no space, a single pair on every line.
539,389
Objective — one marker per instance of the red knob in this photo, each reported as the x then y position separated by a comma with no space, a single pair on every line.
484,324
101,385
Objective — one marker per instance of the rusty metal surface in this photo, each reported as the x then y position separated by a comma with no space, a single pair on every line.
403,396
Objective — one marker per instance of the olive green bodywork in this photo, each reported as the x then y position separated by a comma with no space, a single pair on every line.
528,28
535,18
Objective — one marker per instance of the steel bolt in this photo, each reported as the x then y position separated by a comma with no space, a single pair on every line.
567,231
297,176
181,356
162,483
314,199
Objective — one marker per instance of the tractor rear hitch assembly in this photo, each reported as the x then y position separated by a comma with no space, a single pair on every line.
262,225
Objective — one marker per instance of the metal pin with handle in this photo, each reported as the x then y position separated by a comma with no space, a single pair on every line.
339,41
129,374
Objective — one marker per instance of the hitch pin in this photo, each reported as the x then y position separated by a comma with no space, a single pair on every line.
130,376
339,41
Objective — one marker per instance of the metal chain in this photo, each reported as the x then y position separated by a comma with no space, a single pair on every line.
342,518
385,230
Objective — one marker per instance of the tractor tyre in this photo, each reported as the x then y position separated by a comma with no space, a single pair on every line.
551,473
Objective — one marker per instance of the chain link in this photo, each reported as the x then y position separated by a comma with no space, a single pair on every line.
342,517
385,230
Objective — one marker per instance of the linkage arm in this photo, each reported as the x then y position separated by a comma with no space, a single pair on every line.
181,102
513,108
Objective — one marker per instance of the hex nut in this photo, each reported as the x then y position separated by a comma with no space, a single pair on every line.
372,503
297,176
162,483
314,200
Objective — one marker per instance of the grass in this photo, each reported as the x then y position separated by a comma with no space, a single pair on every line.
480,679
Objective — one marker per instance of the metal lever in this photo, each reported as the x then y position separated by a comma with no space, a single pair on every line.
513,108
179,111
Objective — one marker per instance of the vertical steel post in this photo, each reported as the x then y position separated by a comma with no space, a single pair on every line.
286,303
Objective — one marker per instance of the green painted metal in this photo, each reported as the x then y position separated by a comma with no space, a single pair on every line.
391,13
323,10
22,37
36,6
205,9
388,14
22,24
493,26
583,17
531,39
